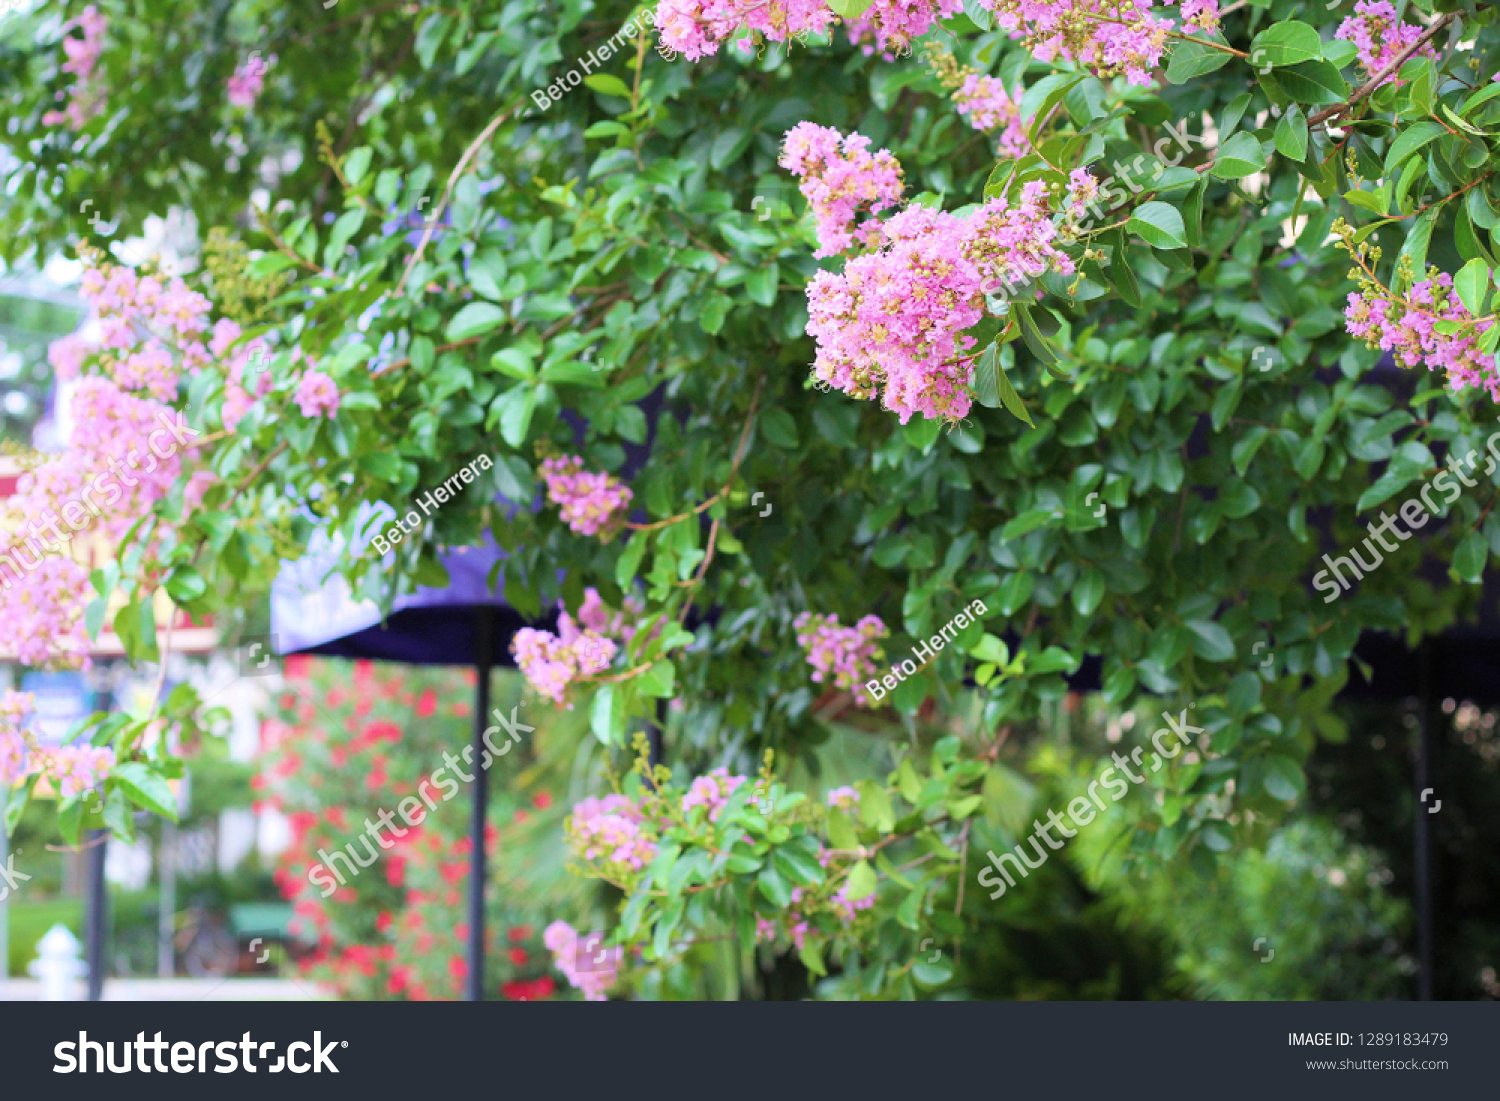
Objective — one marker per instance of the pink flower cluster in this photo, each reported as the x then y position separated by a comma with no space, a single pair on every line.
586,963
1408,330
889,26
121,457
1380,37
711,791
893,322
796,921
79,768
551,662
317,395
983,100
141,322
248,80
848,653
237,399
1083,189
1112,36
74,768
86,95
15,709
696,28
612,833
840,176
590,501
845,798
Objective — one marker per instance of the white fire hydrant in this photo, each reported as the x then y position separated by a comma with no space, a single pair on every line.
57,965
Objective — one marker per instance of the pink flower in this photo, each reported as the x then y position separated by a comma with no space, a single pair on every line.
847,653
845,798
696,28
893,323
840,177
1380,38
15,710
86,96
1110,36
79,768
584,961
711,791
551,662
983,100
1408,330
317,395
889,26
611,832
590,501
248,79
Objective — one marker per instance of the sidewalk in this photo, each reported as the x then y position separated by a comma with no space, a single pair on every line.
180,990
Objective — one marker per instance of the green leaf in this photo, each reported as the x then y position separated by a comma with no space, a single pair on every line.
932,973
1244,694
1210,641
608,85
1026,523
841,830
811,952
1159,225
607,717
659,680
1035,338
987,378
473,320
1469,557
797,865
1472,284
1409,141
1238,157
778,426
774,886
1291,135
1191,60
861,882
1283,778
1313,82
1217,836
146,788
1287,43
629,561
1012,400
850,9
186,585
875,806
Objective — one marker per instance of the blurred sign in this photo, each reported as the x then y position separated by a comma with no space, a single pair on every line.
62,700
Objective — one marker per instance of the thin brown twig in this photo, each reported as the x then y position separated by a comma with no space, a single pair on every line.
453,178
1374,82
256,473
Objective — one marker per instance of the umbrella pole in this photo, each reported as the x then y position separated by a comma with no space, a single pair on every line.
1423,833
482,660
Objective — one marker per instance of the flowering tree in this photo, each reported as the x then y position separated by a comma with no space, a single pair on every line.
1119,276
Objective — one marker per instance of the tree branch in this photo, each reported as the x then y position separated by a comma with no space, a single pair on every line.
1370,85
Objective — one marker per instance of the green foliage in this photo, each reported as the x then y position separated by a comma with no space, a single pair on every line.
1196,380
